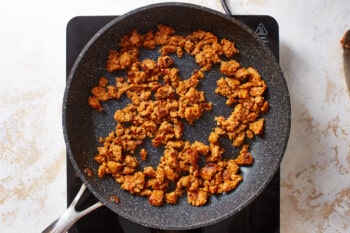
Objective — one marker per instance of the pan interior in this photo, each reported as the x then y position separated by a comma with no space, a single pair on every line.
83,126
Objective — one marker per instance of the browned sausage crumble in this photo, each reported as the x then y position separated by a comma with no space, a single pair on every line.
161,100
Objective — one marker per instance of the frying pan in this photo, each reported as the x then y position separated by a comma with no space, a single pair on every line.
83,125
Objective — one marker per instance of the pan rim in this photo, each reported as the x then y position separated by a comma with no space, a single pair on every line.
97,35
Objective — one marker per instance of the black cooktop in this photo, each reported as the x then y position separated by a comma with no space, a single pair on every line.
261,216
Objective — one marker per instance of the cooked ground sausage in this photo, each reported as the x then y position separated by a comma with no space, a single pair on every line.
161,100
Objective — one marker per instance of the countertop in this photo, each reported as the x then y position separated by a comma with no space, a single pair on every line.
315,171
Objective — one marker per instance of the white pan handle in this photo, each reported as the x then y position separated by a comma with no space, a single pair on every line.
71,216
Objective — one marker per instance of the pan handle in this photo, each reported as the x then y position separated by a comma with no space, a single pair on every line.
70,216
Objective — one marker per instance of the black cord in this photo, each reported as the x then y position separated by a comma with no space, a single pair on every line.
226,8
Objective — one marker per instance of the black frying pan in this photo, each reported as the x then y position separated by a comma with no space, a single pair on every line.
82,125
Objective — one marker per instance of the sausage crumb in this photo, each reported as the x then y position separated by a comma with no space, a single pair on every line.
115,199
88,171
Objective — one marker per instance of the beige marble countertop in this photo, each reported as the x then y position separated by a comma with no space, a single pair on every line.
315,172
